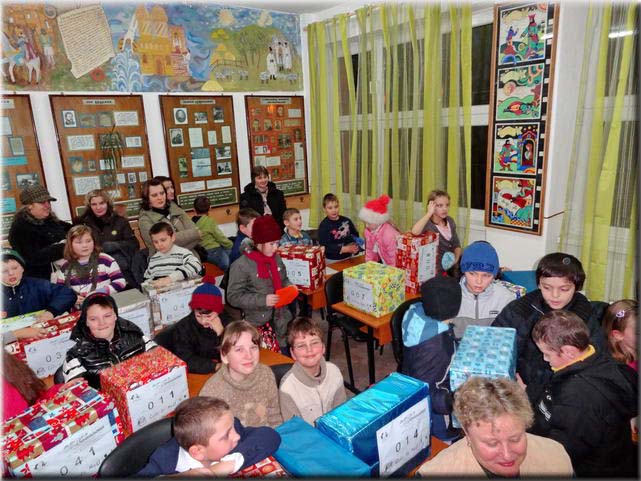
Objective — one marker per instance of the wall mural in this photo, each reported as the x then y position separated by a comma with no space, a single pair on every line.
148,47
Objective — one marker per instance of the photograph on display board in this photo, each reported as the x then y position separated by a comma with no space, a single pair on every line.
521,34
513,201
516,148
518,92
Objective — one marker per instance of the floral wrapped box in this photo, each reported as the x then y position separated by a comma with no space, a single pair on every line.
267,468
519,291
305,265
374,288
416,254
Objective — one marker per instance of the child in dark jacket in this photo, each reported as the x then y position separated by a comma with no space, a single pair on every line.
209,441
337,232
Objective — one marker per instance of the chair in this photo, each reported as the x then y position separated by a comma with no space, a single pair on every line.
165,338
397,331
58,377
132,454
280,370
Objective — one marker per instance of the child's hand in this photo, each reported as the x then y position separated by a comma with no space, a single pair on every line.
195,472
44,316
162,282
80,298
430,209
223,468
28,332
520,381
271,300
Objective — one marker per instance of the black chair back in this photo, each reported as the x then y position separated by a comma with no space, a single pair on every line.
165,338
58,377
334,290
397,331
280,370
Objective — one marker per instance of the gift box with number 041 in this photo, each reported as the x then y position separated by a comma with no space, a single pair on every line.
416,255
387,426
146,387
374,288
68,434
305,265
171,303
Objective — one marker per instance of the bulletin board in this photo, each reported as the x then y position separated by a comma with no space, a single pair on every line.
200,137
21,161
276,130
103,145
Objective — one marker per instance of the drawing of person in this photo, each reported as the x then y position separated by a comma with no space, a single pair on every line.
280,111
279,56
272,68
268,124
255,125
277,124
287,58
46,42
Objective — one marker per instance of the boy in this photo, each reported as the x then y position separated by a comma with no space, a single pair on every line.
589,400
170,263
559,277
294,235
208,440
217,245
312,386
243,241
336,232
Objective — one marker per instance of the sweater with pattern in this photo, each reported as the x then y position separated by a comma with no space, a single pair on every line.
108,277
178,264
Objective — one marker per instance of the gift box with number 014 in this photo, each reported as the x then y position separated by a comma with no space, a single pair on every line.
416,255
171,303
267,468
374,288
387,426
305,265
68,434
146,387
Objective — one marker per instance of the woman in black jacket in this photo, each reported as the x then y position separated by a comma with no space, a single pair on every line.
263,196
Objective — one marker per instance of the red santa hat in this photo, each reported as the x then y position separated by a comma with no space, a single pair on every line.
375,211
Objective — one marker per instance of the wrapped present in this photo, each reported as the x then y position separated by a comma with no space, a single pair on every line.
45,355
387,426
374,288
416,255
146,387
267,468
67,435
171,303
519,291
18,322
484,351
306,452
135,306
305,265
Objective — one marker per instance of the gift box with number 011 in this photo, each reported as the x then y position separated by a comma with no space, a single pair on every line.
387,426
68,434
46,354
416,255
146,387
135,306
171,303
374,288
18,322
305,265
267,468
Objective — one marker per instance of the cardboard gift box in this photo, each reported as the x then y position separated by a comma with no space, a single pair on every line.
267,468
387,426
171,303
146,387
374,288
67,435
305,265
18,322
135,306
416,255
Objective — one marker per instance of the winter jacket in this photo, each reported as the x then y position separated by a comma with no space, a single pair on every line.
275,200
334,234
113,233
444,245
197,345
187,234
289,240
33,294
587,407
522,314
381,244
38,242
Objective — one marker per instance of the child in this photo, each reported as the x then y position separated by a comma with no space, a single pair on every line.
208,440
312,386
293,234
217,245
336,232
559,277
437,220
254,280
85,269
620,326
242,243
170,263
243,382
380,235
588,402
197,336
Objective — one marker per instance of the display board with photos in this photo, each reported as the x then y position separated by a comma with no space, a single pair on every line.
276,129
200,137
103,145
21,161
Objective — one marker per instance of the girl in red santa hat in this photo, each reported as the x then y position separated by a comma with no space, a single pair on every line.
380,235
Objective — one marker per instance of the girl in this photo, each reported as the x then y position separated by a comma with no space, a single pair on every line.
620,325
86,269
248,386
168,184
380,235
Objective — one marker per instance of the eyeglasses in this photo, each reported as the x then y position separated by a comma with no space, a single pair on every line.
312,346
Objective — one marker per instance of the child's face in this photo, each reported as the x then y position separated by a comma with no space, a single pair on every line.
294,223
12,273
82,246
101,321
477,281
205,318
441,206
331,210
627,337
222,442
163,242
308,349
261,182
247,229
242,358
268,248
553,358
557,291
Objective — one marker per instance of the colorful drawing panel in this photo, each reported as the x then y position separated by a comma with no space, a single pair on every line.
516,148
513,201
521,34
518,92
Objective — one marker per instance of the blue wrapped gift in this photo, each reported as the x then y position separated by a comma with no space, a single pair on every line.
304,452
387,426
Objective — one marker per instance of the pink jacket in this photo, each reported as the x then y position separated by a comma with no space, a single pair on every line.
381,244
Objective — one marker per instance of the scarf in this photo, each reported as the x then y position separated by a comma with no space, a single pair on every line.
164,212
266,267
86,272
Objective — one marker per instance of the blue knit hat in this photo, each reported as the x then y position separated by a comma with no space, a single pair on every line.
480,256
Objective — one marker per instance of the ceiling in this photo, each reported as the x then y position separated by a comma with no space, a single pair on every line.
290,6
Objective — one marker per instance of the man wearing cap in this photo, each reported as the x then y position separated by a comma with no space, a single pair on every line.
36,233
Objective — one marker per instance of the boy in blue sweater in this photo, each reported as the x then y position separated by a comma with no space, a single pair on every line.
245,222
209,441
337,232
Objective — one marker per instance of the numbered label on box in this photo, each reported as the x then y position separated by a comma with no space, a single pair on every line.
358,294
426,262
298,272
174,305
141,317
44,357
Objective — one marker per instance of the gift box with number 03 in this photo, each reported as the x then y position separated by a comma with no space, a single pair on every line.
171,303
135,306
374,288
416,255
305,265
45,355
267,468
146,387
68,434
387,426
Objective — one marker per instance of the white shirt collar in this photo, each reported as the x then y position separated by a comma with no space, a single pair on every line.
186,462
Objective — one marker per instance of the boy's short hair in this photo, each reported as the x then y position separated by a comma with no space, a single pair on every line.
303,325
327,198
290,212
245,216
561,328
202,204
559,264
195,418
159,227
233,331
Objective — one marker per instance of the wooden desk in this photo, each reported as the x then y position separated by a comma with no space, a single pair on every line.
349,262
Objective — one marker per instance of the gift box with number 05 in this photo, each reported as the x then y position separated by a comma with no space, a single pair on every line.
305,265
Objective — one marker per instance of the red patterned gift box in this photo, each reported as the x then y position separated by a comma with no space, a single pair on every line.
267,468
305,265
417,256
146,387
68,434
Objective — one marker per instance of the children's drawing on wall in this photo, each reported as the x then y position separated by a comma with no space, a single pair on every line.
516,148
513,202
22,54
522,34
518,92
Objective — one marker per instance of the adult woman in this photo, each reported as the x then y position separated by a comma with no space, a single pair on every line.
494,414
263,196
112,231
168,184
156,208
36,233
